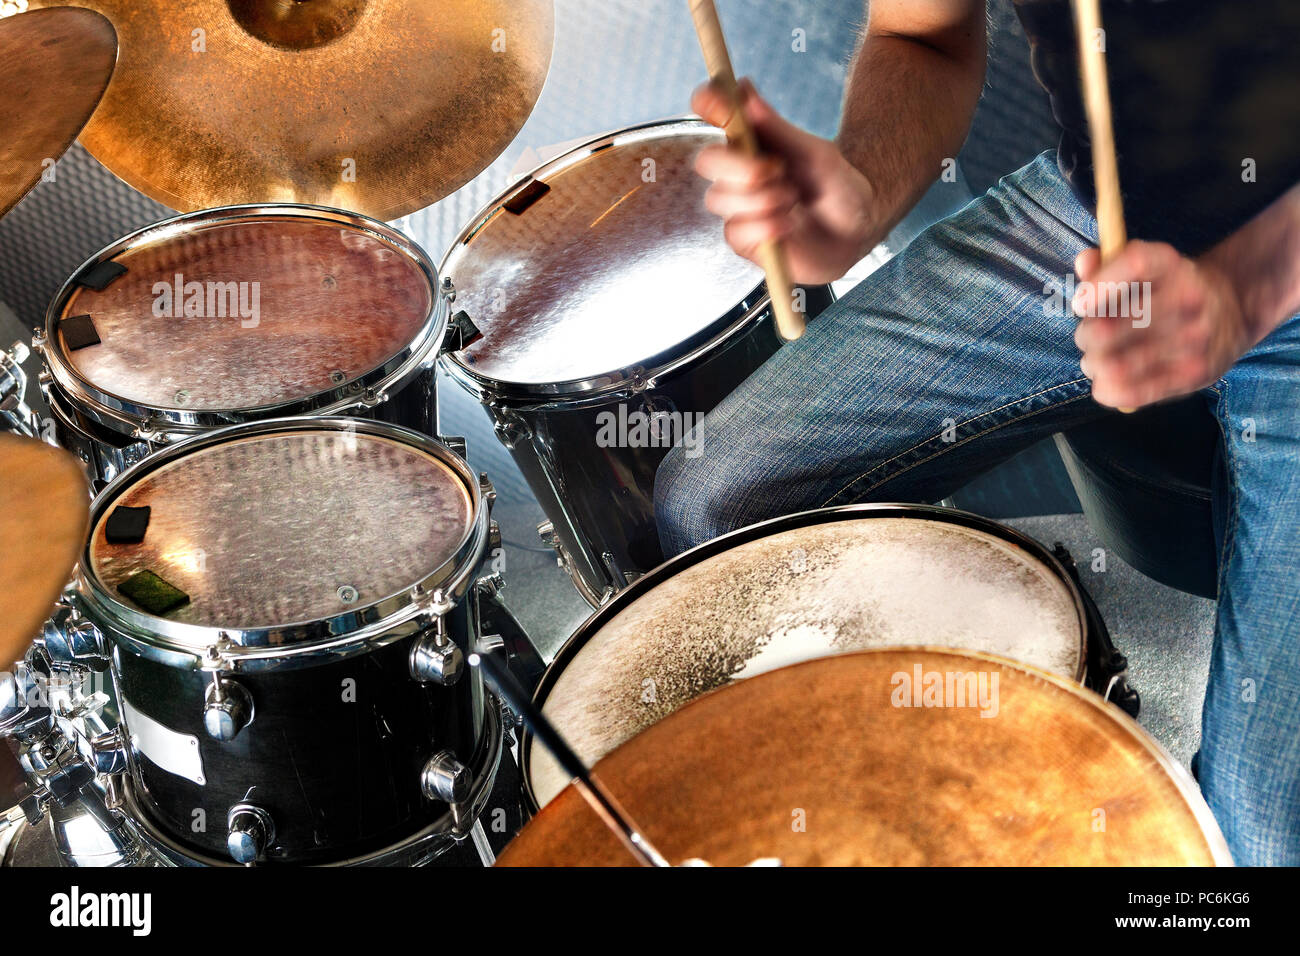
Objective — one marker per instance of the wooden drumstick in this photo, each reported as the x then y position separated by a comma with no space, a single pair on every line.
771,253
1111,232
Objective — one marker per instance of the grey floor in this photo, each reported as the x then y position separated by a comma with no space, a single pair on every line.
620,62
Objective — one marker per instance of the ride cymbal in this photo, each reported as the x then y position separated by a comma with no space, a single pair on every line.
861,759
54,67
377,106
44,515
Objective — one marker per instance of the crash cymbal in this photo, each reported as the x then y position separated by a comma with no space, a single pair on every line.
44,514
377,106
820,764
54,67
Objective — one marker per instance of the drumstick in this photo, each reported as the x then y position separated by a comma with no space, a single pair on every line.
609,810
789,323
1111,232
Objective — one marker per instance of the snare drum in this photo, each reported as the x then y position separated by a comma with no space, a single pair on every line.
288,630
613,315
797,588
240,314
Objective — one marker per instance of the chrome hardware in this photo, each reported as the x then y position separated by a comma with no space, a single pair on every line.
435,658
106,752
249,832
25,708
510,427
491,644
490,585
15,416
227,709
70,639
455,443
445,778
486,489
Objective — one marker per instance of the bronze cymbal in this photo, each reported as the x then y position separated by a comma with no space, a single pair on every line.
54,67
377,106
817,764
44,514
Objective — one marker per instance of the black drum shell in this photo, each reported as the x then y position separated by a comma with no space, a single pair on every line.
601,499
340,779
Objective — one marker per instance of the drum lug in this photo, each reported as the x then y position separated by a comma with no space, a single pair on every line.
250,831
227,709
510,428
455,443
69,639
445,778
435,658
149,430
107,752
486,488
639,382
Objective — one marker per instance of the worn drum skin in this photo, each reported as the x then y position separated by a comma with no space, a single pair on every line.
241,314
317,556
608,300
796,588
882,778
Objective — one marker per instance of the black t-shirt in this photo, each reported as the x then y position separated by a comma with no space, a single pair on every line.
1206,96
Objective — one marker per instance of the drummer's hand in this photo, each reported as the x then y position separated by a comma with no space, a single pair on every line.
803,191
1176,336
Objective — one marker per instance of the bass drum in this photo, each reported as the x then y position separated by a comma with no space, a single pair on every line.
240,314
797,588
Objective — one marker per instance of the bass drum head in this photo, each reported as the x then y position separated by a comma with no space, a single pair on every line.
612,262
810,586
1028,770
282,527
235,310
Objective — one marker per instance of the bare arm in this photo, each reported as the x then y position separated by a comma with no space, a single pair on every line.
913,88
915,81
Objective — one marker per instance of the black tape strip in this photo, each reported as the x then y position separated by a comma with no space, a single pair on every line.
101,275
78,332
520,202
126,525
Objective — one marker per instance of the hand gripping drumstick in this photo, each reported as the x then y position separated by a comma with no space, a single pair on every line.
609,810
1101,130
772,255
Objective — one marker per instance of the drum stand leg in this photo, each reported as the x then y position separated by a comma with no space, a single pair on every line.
481,844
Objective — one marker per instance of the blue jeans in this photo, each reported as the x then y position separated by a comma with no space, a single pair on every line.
949,360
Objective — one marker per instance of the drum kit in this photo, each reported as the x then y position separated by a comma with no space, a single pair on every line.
245,600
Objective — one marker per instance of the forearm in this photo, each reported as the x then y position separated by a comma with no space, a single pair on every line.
909,103
1262,262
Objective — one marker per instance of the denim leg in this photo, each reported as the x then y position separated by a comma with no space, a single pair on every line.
946,361
1249,765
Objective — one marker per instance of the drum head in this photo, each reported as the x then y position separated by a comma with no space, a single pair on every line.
852,760
245,311
805,592
287,527
615,264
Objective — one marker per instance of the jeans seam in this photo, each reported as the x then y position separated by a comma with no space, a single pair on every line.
964,441
1230,532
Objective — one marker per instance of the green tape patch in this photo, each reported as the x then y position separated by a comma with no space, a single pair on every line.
153,593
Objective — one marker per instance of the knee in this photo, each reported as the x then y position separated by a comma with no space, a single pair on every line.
692,501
